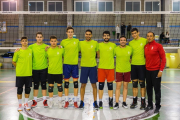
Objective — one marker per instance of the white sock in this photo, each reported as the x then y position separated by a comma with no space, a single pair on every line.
26,100
143,97
110,97
44,97
60,98
134,96
51,99
20,101
66,98
100,99
75,98
35,98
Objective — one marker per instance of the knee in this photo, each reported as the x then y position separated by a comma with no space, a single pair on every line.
66,84
75,84
142,84
19,90
101,85
27,90
50,89
110,85
135,84
36,85
43,85
94,86
83,85
60,88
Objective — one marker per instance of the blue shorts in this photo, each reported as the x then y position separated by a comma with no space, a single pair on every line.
70,71
90,72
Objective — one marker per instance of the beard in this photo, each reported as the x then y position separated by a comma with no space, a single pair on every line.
106,41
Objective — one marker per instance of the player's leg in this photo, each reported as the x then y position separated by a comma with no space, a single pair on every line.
117,93
83,80
19,85
59,79
50,89
93,80
110,79
101,80
43,77
36,79
75,75
134,77
141,74
28,84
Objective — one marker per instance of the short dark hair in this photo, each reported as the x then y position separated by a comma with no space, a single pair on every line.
134,29
39,33
88,30
68,28
106,32
53,37
122,37
150,32
24,38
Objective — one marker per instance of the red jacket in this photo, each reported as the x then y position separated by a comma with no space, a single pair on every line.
155,56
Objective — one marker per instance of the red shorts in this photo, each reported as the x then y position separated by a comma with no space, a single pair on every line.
126,77
104,74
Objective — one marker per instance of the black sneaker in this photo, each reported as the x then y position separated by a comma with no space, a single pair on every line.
157,110
81,106
100,105
134,104
95,105
124,105
116,106
143,104
148,108
110,103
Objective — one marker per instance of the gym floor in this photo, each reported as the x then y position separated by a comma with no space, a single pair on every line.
170,99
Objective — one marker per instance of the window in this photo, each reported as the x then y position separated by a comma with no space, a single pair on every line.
152,6
133,6
36,5
105,6
8,6
81,6
176,5
55,5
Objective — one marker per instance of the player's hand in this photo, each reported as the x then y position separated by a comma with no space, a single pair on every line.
47,47
130,60
17,49
159,74
59,46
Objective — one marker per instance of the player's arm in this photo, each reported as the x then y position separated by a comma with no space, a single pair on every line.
15,58
98,54
14,63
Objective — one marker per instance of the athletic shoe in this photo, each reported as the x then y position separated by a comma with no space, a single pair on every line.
116,106
124,105
20,108
75,105
34,104
148,108
81,106
50,104
27,106
143,104
110,103
45,103
100,105
66,104
157,110
60,104
95,105
134,104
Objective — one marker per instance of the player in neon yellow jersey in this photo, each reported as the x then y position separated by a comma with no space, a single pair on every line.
22,60
55,70
70,66
138,67
123,70
106,68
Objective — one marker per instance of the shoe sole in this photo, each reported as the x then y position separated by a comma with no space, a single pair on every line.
46,106
133,107
115,108
125,107
34,106
100,107
111,107
81,108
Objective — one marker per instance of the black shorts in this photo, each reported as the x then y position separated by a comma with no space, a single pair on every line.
21,81
57,78
138,72
40,75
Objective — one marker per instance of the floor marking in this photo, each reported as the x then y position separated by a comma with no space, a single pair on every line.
170,89
7,91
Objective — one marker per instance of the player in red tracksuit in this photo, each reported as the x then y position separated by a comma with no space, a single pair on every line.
155,63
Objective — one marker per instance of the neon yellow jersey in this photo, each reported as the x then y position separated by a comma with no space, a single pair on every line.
55,60
123,59
39,56
23,59
88,53
138,57
71,52
106,60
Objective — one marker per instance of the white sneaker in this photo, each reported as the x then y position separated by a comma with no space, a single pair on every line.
20,108
124,105
27,106
50,104
60,104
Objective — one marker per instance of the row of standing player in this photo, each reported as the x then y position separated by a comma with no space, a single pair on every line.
105,51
